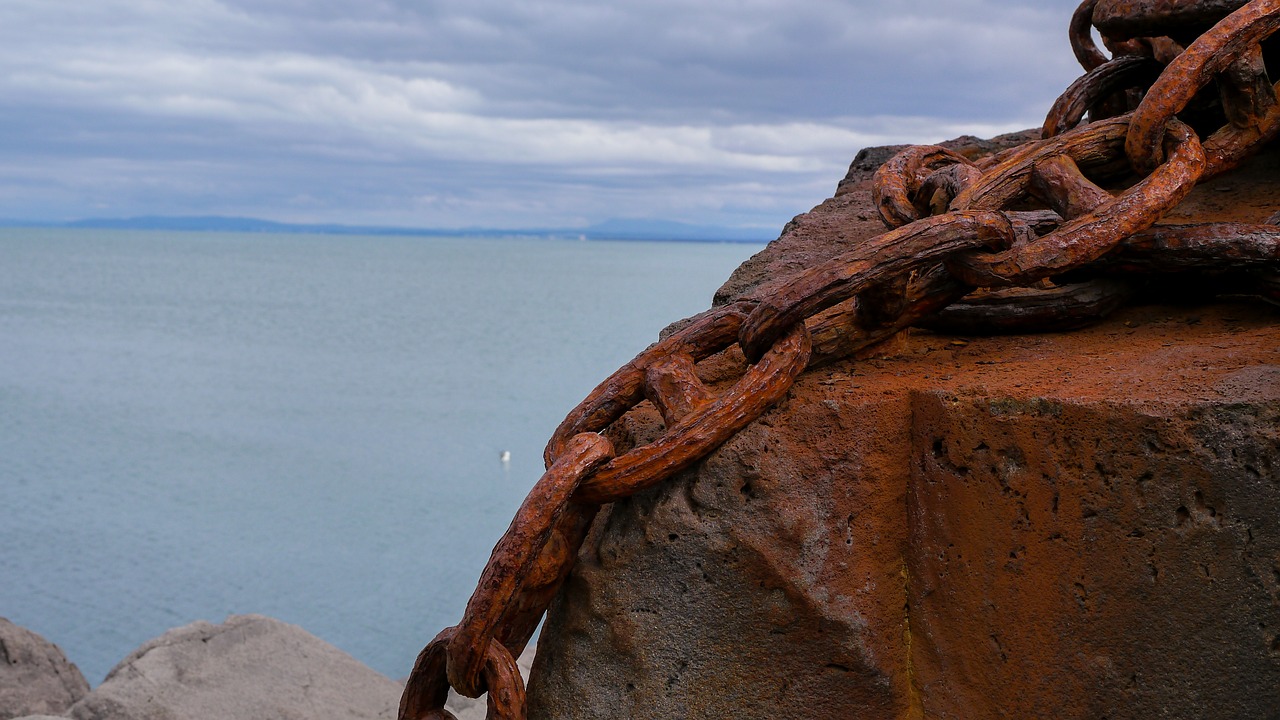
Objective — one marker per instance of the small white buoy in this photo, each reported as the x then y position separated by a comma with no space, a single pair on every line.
505,456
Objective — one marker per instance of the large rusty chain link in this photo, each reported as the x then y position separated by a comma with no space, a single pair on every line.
1031,238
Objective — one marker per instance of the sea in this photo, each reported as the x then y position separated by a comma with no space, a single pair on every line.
310,427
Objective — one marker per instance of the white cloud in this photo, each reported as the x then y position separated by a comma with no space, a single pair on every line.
255,88
401,107
666,102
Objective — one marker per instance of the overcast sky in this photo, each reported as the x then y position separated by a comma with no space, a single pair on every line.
496,113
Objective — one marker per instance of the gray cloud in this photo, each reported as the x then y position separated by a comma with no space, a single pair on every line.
478,112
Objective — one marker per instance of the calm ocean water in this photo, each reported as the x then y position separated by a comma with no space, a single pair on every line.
309,427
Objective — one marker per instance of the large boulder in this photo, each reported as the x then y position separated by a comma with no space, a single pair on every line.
1072,525
249,668
35,677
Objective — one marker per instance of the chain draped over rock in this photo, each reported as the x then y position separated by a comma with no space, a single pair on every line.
963,252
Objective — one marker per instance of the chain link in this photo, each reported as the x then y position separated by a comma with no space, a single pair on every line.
955,225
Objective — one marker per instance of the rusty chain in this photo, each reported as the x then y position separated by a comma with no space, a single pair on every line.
965,250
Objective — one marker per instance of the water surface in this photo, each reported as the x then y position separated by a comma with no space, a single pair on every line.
305,426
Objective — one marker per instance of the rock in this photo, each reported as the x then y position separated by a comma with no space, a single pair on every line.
1072,525
249,668
1060,533
35,676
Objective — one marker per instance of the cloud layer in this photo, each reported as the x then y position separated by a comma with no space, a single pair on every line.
455,113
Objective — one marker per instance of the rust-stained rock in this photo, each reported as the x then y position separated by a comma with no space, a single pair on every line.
1073,525
1061,525
1102,557
35,676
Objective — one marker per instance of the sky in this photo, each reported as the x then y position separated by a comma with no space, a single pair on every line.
496,113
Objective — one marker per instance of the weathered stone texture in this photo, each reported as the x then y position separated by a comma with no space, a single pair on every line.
1015,527
1075,525
249,668
35,676
671,579
1097,559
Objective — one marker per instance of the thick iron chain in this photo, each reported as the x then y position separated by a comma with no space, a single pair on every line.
953,229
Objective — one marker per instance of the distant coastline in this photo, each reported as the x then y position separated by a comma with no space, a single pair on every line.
618,230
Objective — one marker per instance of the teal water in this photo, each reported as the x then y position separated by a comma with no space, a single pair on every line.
305,426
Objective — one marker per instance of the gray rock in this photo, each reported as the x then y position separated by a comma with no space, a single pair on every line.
249,668
35,677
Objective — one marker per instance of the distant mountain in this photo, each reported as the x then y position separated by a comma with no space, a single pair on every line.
219,223
618,229
204,223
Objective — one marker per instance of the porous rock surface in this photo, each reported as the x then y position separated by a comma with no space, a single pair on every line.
1075,525
35,676
249,668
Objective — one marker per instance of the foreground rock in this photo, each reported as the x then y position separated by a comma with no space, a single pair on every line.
249,668
35,677
1086,528
1074,525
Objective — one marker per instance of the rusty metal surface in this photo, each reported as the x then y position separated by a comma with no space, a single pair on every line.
781,305
1150,18
513,558
901,178
1064,307
1046,236
428,687
1205,59
1089,236
1095,87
